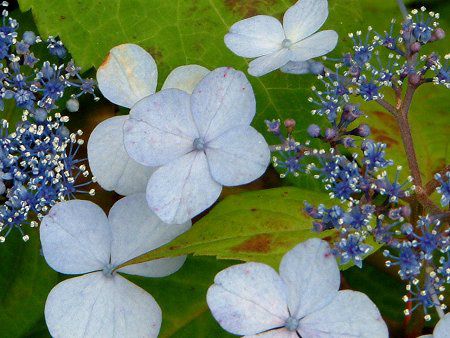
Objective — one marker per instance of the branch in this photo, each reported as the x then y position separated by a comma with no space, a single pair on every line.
386,105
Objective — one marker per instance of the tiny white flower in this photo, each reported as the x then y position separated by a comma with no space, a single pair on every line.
78,238
442,328
200,141
291,44
252,300
128,75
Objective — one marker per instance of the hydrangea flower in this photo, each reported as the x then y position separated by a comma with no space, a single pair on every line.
40,165
442,328
200,141
251,299
128,75
78,238
289,46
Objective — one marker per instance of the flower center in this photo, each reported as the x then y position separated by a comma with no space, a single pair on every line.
292,324
286,43
199,144
108,270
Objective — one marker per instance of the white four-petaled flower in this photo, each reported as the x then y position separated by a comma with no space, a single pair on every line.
200,142
288,46
128,75
442,328
252,300
78,238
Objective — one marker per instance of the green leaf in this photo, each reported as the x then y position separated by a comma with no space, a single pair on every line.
258,226
185,32
182,298
25,281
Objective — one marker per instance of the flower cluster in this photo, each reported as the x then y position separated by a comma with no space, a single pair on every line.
39,167
33,83
374,197
39,163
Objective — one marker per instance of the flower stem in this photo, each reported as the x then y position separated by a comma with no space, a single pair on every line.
405,132
402,8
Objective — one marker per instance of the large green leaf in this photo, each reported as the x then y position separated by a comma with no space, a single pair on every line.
253,226
182,297
178,32
25,281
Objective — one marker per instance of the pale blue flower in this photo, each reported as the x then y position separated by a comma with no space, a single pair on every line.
289,46
200,142
79,239
303,300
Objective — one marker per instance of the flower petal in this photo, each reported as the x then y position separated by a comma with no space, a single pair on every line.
182,189
248,298
318,44
222,100
279,333
95,306
160,128
185,78
350,314
110,163
255,36
127,75
75,237
137,230
299,68
268,63
304,19
312,276
237,157
442,328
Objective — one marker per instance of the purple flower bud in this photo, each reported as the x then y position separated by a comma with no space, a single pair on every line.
290,125
363,130
415,47
330,134
314,130
438,34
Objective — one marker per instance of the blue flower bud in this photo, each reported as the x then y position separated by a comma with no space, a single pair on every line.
40,115
314,130
330,134
29,37
72,105
363,130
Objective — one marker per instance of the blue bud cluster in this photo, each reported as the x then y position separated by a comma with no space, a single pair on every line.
39,164
374,206
33,83
38,168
